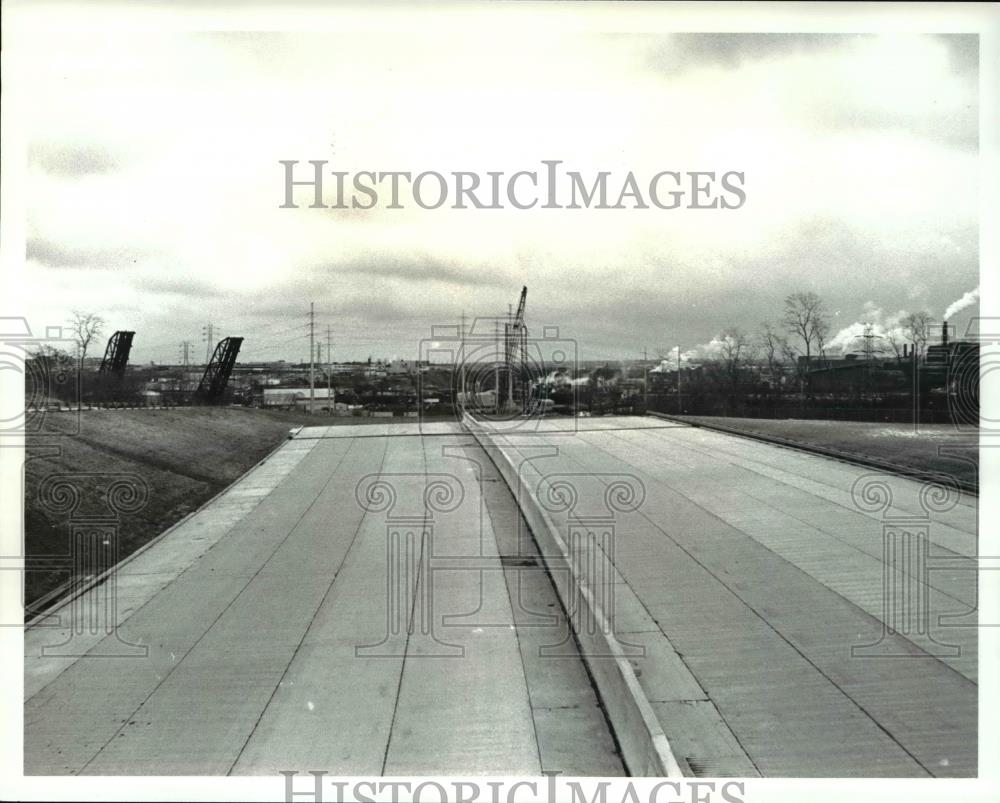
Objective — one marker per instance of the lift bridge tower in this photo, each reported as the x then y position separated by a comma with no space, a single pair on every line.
212,388
117,352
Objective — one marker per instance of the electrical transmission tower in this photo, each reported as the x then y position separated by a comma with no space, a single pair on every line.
207,334
869,342
185,353
868,339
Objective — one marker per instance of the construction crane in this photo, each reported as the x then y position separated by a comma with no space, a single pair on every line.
213,383
516,349
116,354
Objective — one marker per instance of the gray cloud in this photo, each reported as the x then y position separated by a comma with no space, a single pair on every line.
426,268
956,129
963,51
72,161
683,52
612,289
350,292
56,255
187,288
938,121
824,255
608,317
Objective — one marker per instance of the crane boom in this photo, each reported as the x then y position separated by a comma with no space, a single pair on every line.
519,316
515,327
515,348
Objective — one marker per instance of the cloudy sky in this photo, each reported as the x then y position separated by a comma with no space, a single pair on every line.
154,183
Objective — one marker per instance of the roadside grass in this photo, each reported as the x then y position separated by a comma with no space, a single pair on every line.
938,448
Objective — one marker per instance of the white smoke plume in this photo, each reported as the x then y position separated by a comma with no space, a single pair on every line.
966,300
847,339
884,326
851,338
706,351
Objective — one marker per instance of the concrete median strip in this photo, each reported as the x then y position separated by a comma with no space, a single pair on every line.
643,743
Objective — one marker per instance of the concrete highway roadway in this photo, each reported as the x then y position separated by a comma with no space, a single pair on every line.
369,601
809,617
269,632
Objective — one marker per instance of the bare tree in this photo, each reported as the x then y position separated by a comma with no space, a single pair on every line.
822,329
805,319
916,329
85,326
736,344
774,348
893,341
737,350
50,353
790,354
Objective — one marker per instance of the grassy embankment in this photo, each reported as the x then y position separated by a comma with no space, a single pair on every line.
184,455
923,450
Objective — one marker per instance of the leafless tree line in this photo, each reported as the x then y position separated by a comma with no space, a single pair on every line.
800,340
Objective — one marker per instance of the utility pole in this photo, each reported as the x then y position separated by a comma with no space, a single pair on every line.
206,332
461,364
496,368
679,408
509,349
869,347
645,380
329,375
312,356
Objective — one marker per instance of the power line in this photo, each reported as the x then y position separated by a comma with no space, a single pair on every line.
296,328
